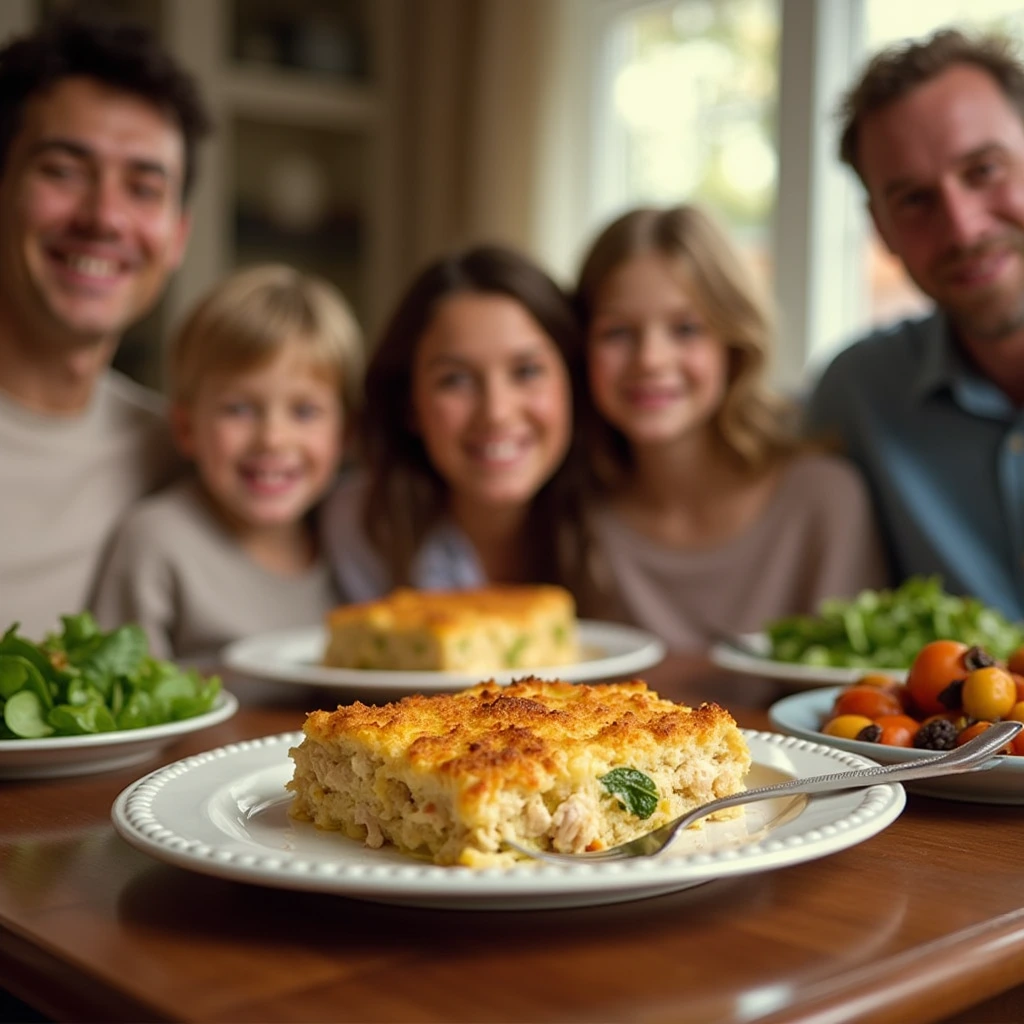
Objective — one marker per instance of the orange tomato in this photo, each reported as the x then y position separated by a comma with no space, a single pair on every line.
870,701
878,679
846,726
1015,663
988,693
976,730
1017,745
936,666
897,730
1019,680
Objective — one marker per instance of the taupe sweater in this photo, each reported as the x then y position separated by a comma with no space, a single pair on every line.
65,482
816,539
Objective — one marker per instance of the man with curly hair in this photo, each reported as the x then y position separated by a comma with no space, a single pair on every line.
933,409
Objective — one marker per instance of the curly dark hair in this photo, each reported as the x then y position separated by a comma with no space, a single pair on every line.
899,69
121,55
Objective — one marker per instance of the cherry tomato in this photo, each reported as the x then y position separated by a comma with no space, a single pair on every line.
988,693
846,726
869,701
897,730
878,679
1019,680
1017,714
1015,663
976,730
936,666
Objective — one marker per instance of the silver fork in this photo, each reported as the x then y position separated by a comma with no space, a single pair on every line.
975,755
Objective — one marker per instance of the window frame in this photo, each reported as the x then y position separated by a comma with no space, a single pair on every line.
820,227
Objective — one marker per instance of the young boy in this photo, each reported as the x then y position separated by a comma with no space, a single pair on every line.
262,376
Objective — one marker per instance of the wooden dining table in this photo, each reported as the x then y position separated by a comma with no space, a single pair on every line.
923,921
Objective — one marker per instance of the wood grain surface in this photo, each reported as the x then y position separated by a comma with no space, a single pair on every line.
917,924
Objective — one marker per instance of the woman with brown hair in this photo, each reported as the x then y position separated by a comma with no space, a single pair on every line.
468,436
710,516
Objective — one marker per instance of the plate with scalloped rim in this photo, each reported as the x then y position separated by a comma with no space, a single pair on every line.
225,813
803,714
750,654
294,656
54,756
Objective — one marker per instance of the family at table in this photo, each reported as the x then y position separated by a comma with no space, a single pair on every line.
616,436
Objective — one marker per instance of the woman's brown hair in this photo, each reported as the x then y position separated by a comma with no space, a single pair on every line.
406,495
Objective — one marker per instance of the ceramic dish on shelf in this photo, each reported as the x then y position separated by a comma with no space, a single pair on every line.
749,653
225,813
610,650
802,715
55,756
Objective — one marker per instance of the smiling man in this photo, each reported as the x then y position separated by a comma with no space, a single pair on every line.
98,132
933,409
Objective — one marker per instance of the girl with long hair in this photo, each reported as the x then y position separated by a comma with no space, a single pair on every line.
709,513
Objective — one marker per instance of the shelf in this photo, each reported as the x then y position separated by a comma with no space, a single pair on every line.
297,97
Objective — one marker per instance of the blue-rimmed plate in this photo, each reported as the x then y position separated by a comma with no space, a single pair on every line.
803,715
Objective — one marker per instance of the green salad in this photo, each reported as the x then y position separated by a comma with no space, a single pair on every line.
82,680
886,628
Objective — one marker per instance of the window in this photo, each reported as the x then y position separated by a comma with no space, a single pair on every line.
731,103
693,89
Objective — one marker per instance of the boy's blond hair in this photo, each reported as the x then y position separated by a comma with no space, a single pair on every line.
246,319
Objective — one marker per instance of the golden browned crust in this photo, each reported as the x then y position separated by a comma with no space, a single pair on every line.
488,736
441,610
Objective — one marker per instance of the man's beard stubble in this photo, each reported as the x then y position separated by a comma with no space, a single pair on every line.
995,316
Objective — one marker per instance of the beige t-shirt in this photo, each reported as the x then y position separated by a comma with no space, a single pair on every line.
176,571
65,482
816,539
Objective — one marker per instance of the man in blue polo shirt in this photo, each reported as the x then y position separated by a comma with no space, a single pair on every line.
933,410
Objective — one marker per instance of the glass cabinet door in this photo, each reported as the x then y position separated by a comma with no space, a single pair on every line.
299,197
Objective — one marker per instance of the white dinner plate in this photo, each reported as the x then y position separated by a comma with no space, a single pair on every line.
225,813
758,663
54,756
803,714
294,656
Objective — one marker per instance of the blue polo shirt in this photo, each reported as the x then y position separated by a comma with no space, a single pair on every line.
942,450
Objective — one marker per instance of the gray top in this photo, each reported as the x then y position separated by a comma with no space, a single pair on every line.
445,561
67,481
816,539
942,450
184,578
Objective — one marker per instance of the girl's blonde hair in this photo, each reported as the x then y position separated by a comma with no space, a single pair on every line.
754,424
245,320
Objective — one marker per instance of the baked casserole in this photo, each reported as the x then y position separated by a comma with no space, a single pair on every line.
478,631
551,765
